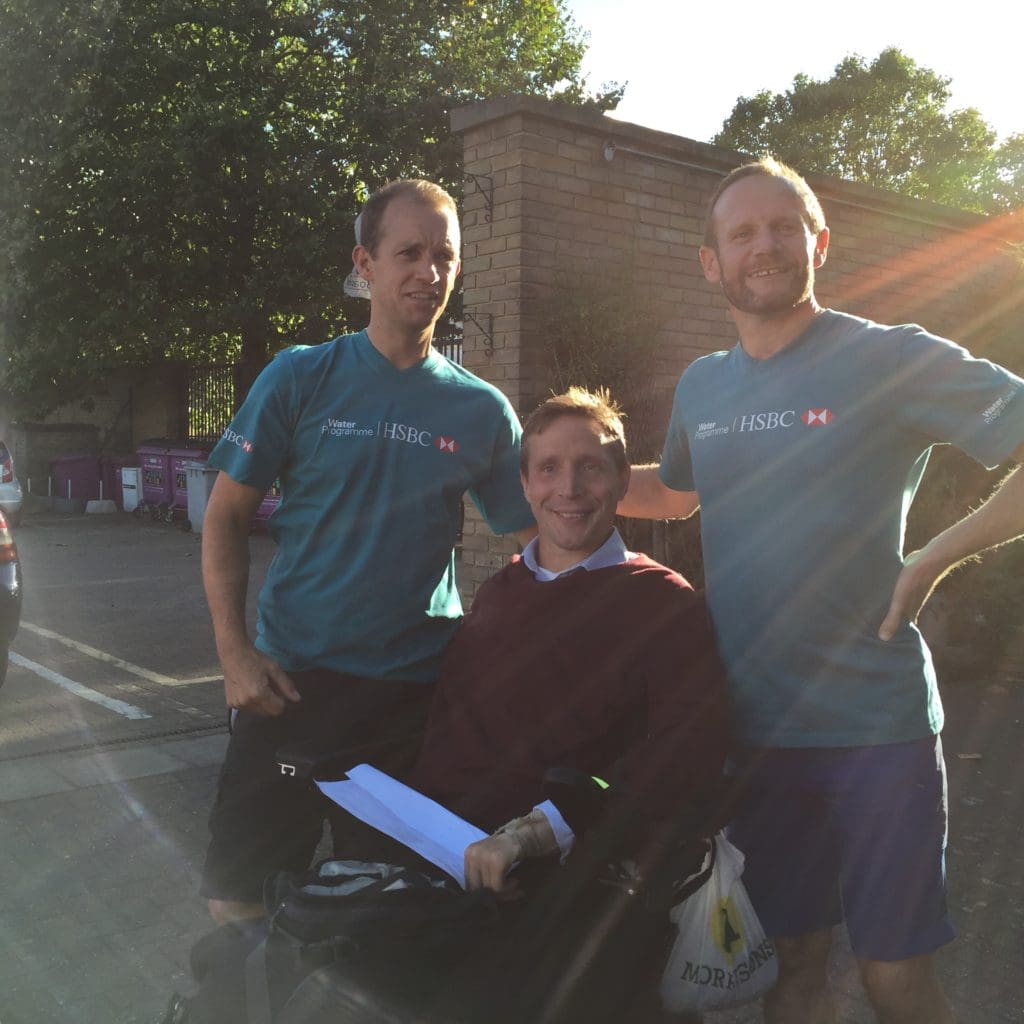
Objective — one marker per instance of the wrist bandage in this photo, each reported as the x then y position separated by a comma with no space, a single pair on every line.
532,835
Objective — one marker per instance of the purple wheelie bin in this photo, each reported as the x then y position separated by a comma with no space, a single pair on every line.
180,458
157,486
76,478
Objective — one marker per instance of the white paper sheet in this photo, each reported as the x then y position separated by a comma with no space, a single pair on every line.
410,817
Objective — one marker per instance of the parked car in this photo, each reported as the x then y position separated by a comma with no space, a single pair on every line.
10,489
10,593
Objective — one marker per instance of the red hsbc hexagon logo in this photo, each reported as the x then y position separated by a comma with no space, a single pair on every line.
447,444
817,417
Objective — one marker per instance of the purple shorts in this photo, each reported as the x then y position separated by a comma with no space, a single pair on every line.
855,834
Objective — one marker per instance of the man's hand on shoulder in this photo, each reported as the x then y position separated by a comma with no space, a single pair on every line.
255,683
649,498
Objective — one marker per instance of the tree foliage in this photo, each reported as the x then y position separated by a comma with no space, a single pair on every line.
885,123
179,177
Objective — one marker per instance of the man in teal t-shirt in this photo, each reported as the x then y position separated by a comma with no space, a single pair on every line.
375,438
804,446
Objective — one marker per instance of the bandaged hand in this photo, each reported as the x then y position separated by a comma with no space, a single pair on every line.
489,860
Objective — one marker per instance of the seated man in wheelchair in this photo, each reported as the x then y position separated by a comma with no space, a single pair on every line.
578,655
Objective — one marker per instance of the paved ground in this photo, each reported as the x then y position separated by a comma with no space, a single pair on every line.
99,875
101,854
101,849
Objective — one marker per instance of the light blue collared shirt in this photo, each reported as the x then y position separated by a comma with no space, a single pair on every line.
611,552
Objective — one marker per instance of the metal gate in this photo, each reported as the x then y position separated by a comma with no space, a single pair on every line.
210,401
448,341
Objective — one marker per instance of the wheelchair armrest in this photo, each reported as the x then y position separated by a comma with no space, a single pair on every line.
310,759
580,799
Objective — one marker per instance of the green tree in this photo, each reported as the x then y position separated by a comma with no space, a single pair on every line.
884,123
178,178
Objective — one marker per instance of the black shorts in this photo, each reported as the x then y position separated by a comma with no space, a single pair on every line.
263,821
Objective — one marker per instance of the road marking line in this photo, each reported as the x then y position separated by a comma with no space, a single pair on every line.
64,584
199,679
143,673
119,707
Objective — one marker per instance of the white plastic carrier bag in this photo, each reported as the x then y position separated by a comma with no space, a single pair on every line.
720,957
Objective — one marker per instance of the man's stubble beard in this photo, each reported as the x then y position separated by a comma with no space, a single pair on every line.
742,298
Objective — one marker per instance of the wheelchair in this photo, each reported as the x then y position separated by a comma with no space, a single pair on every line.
585,945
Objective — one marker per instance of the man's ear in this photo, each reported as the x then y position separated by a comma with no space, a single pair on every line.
363,262
821,247
709,261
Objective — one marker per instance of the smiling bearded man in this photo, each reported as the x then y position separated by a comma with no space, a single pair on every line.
804,445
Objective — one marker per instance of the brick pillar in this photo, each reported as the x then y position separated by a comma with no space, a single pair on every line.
492,274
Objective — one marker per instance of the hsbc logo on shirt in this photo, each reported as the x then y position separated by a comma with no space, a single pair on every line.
233,437
406,433
414,435
817,417
756,422
386,430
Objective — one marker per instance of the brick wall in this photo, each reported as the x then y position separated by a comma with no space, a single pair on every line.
542,196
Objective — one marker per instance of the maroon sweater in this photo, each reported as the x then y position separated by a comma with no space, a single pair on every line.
612,672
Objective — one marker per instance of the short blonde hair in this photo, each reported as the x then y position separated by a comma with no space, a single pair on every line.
419,189
598,406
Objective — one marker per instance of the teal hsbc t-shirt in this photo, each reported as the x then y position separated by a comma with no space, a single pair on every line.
806,465
373,463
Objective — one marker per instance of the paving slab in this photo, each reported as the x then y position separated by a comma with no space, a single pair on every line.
25,780
201,750
118,765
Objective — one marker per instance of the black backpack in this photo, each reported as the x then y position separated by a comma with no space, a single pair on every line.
365,916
